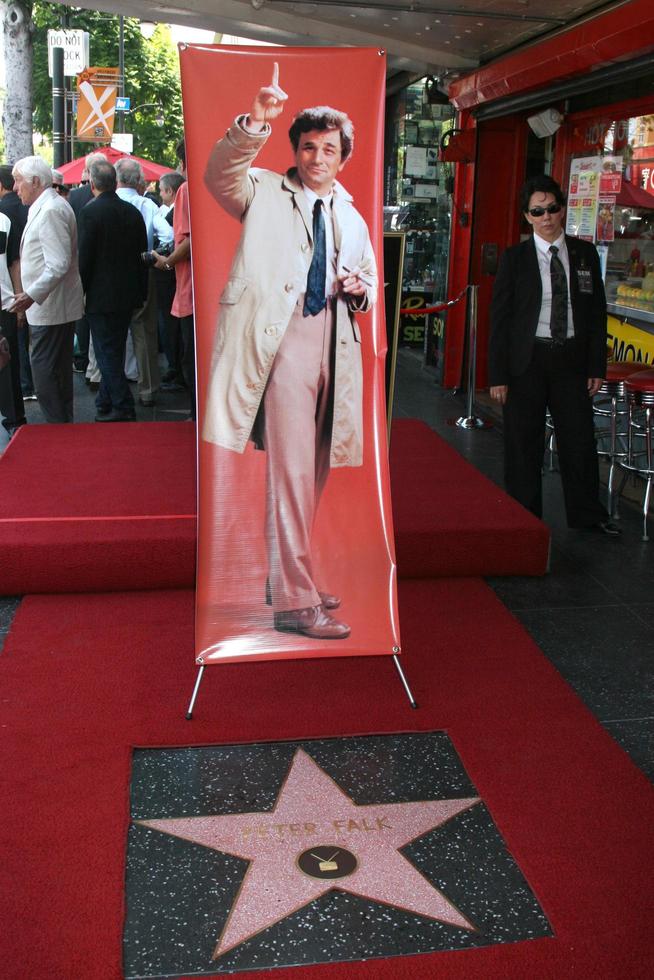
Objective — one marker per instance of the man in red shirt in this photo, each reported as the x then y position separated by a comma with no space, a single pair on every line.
180,261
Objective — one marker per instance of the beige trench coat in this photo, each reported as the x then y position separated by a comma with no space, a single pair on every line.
268,275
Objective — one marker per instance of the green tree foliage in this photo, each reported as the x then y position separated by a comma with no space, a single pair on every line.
151,76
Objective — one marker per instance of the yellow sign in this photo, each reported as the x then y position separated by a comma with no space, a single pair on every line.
96,104
627,343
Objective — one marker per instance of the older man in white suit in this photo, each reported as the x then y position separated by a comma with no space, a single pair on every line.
52,298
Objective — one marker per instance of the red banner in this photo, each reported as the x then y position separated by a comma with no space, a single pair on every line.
296,554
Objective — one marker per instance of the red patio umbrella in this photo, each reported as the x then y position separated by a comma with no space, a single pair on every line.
72,172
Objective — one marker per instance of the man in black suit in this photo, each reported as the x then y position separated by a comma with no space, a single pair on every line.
18,378
548,349
112,237
78,199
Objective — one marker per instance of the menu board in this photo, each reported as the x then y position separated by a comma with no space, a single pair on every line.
583,197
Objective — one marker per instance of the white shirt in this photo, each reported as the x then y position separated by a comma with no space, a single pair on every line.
544,258
154,222
6,288
330,249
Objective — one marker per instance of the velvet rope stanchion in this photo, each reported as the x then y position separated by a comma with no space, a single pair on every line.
471,421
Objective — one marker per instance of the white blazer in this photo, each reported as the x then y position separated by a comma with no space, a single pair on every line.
48,262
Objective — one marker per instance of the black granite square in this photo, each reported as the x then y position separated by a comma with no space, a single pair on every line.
180,893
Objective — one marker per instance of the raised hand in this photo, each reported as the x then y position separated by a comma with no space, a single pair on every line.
269,101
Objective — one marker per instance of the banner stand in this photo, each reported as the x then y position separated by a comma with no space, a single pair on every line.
396,661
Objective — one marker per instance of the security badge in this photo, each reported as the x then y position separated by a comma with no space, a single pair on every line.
584,280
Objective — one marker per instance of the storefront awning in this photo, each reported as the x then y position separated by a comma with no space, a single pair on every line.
632,196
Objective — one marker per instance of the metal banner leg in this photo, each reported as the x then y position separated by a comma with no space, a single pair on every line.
412,700
189,713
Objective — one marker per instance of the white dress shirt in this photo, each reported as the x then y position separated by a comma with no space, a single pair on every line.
544,258
154,222
6,287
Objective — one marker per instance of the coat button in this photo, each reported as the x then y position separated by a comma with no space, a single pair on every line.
305,247
251,385
289,287
271,331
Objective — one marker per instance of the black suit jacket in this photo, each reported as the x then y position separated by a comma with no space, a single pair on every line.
79,197
517,297
111,238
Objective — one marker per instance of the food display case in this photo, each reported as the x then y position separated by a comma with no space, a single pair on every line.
630,279
611,202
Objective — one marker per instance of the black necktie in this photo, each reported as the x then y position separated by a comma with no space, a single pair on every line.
559,312
314,300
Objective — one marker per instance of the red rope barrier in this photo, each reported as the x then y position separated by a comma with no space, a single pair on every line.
424,310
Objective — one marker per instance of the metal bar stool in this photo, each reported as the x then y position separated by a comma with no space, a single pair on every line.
613,388
640,395
550,440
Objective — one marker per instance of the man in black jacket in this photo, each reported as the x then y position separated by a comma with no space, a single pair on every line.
548,350
79,198
112,237
11,395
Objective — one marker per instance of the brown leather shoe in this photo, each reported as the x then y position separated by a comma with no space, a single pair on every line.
328,601
312,621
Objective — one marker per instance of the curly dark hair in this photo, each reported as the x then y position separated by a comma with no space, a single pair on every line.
322,117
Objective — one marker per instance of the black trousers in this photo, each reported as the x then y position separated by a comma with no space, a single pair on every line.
11,396
170,332
556,379
188,358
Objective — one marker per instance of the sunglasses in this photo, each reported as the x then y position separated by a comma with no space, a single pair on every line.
539,212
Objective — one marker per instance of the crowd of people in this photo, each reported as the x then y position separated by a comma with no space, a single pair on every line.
96,279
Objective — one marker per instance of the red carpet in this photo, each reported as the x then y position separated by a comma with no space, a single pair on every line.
84,678
89,508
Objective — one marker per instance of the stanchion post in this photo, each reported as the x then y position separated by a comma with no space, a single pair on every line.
471,421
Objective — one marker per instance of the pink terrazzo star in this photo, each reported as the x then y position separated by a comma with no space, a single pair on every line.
312,813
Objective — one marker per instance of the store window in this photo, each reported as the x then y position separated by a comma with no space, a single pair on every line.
611,202
418,203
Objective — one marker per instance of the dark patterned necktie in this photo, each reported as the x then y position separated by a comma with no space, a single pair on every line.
559,312
314,300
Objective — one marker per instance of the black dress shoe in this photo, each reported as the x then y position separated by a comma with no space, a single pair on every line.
114,416
313,621
610,528
328,601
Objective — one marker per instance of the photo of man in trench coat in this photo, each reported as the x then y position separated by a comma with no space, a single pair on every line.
286,371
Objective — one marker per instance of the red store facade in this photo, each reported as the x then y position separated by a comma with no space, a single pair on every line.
597,80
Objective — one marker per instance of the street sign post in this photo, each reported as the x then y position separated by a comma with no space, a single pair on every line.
76,50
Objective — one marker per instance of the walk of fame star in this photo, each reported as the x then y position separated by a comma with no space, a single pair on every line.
315,839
